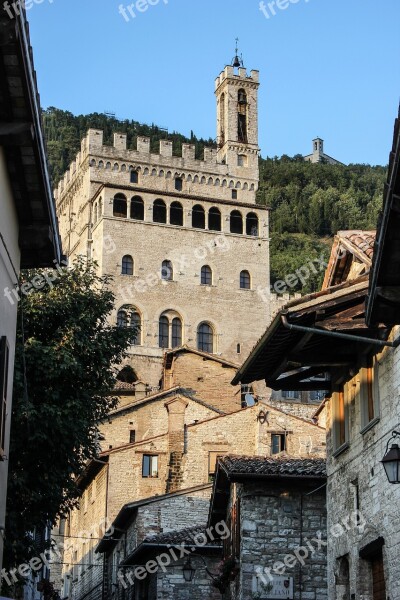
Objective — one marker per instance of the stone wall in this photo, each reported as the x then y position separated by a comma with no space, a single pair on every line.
356,479
276,519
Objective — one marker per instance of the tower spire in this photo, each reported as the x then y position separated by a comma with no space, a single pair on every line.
237,61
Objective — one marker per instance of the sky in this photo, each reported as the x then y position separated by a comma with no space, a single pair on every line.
328,68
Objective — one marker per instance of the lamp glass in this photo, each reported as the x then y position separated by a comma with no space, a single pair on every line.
188,571
391,463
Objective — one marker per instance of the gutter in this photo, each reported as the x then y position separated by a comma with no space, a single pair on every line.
336,334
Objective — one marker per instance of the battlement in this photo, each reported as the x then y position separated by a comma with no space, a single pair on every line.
229,73
110,157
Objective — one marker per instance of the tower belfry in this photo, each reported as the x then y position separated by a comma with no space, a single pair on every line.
237,116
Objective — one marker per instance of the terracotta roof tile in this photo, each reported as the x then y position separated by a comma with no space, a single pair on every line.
186,536
279,466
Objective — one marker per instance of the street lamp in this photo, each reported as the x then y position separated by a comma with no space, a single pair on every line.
391,460
188,571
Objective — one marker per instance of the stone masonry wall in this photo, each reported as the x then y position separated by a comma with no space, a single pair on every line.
356,479
275,520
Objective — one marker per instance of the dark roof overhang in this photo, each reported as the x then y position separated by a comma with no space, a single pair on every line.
288,359
383,303
22,140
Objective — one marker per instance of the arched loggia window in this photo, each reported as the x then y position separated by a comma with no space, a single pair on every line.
214,219
159,211
120,206
205,338
252,224
137,208
236,222
176,214
198,217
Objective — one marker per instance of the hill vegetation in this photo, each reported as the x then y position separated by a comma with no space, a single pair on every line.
308,202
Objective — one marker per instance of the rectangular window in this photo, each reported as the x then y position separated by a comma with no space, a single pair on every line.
234,194
290,395
340,425
132,436
178,184
369,393
278,443
150,465
134,177
4,363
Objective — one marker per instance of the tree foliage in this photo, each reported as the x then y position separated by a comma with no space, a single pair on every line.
65,370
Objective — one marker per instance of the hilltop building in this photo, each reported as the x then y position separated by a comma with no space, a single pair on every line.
318,155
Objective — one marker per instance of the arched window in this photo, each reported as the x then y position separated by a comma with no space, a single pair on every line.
176,214
206,275
176,332
170,330
127,265
95,213
137,208
252,224
122,318
120,206
245,281
236,222
167,270
159,211
198,217
214,219
205,338
136,322
100,213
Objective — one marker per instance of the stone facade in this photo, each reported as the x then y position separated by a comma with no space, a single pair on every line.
275,520
357,481
209,218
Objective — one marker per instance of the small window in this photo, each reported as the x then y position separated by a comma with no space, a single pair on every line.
252,224
122,318
134,176
238,349
178,183
4,364
242,160
167,271
198,217
176,332
127,265
150,465
176,214
214,219
205,338
163,332
137,208
278,443
120,206
236,221
234,194
245,282
206,275
159,211
136,322
132,436
290,395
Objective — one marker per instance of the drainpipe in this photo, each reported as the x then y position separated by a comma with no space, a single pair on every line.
336,334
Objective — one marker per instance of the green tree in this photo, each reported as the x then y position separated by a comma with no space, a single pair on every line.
65,370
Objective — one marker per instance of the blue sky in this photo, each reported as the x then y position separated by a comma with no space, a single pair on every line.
328,68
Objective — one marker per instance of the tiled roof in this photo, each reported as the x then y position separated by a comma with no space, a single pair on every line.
123,386
186,536
363,240
280,466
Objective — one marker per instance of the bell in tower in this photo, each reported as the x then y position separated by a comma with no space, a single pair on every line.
237,60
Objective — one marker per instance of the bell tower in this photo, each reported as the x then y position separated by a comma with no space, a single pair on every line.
237,117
